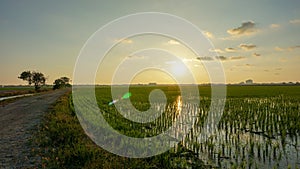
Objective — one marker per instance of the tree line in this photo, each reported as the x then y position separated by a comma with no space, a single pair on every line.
38,79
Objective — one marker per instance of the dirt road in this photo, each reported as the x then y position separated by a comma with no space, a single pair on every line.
17,121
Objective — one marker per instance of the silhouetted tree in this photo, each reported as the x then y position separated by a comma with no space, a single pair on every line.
61,82
37,78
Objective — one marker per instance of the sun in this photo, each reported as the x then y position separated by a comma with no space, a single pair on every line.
178,68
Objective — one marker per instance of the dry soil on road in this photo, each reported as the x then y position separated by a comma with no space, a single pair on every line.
18,120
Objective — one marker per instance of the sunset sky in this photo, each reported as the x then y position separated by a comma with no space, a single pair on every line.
257,39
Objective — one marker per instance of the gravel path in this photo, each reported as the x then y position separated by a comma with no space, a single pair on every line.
17,121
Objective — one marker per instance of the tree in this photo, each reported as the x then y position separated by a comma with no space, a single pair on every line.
26,75
37,78
61,82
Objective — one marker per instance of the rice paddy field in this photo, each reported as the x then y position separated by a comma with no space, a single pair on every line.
259,128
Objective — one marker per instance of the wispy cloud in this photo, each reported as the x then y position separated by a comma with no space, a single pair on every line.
173,42
240,67
222,58
237,57
249,65
274,26
247,46
124,41
189,60
205,58
295,21
230,49
219,57
247,28
217,50
209,34
135,57
278,49
256,54
291,48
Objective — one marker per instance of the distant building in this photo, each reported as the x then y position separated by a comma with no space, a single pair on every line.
249,81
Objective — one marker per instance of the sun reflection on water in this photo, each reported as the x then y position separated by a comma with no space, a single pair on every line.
178,105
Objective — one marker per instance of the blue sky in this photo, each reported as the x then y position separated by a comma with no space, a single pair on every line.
257,39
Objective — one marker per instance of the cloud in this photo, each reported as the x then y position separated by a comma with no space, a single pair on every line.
247,46
124,41
222,58
173,42
209,34
278,49
247,28
274,26
135,57
244,65
219,57
249,65
291,48
230,49
189,60
217,50
205,58
237,57
256,54
295,21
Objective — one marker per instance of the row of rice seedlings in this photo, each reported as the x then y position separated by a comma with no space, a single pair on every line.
265,120
245,130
